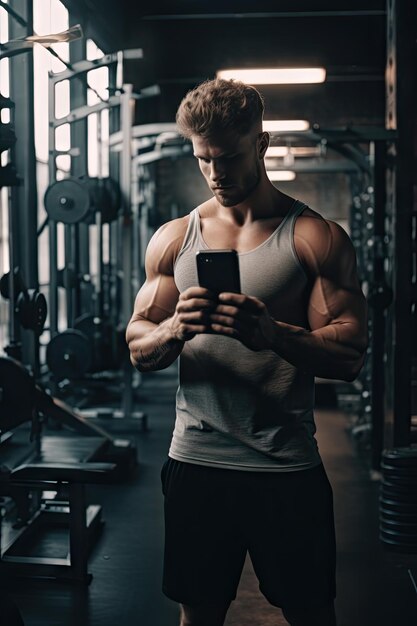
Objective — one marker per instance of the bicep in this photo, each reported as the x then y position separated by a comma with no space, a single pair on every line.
337,307
156,299
158,296
338,314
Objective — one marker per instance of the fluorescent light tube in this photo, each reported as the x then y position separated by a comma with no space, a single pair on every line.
276,76
276,175
285,125
297,151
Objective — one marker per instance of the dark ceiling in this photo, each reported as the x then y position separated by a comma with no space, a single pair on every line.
186,41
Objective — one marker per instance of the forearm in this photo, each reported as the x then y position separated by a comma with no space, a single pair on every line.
325,352
152,346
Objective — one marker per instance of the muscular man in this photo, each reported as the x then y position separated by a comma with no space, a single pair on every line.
244,472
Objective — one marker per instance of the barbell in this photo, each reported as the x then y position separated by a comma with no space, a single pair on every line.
75,200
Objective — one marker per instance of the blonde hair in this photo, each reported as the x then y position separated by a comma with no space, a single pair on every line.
219,105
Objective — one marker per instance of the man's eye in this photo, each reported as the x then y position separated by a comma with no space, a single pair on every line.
205,160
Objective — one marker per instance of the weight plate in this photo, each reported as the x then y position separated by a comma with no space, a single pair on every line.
105,196
401,457
403,518
404,480
68,201
396,517
399,487
5,285
40,312
398,536
17,393
394,546
410,498
115,198
98,332
395,470
392,505
31,310
67,278
69,354
398,526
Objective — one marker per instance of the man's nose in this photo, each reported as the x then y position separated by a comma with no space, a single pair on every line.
217,172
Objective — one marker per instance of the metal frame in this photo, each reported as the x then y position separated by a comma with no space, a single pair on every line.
401,90
23,199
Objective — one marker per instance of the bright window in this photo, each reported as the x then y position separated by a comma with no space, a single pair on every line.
98,81
4,193
49,17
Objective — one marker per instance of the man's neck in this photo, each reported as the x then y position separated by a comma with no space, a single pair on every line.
266,201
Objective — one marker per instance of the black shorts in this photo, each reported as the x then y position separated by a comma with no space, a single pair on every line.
283,519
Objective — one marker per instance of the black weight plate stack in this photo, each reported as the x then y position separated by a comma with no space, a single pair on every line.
69,355
398,500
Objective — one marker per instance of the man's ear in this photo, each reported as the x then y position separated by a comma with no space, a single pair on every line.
263,144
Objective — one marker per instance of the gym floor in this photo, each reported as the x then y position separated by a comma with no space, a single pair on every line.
375,588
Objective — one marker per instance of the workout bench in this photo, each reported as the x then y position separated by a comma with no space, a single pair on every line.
25,485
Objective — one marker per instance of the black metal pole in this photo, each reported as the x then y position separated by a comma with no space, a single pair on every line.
24,198
378,311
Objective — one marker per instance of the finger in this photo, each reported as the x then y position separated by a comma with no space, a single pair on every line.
188,332
230,323
224,320
197,292
195,304
241,300
239,313
194,317
228,331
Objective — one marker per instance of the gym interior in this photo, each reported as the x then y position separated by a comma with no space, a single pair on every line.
91,166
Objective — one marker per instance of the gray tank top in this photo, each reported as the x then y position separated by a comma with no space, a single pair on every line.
236,408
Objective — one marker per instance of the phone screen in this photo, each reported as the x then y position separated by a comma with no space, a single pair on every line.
218,270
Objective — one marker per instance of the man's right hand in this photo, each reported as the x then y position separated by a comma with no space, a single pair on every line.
192,313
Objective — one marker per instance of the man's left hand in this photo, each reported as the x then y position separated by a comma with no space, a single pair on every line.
244,318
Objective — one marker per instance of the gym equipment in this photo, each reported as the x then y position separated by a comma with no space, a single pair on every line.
5,284
75,200
380,295
68,201
14,376
30,305
398,500
8,176
62,464
67,278
7,137
31,310
96,215
106,197
69,355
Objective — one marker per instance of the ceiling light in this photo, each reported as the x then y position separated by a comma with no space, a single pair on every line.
276,175
297,151
276,76
277,151
285,125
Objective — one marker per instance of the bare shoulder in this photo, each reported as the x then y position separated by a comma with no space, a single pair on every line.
321,244
165,245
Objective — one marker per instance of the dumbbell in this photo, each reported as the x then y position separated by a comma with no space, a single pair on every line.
30,305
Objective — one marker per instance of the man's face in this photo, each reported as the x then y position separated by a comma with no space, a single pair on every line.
230,164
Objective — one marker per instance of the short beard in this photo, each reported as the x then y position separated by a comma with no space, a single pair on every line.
247,191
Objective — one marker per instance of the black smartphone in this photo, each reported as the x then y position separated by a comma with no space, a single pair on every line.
218,270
